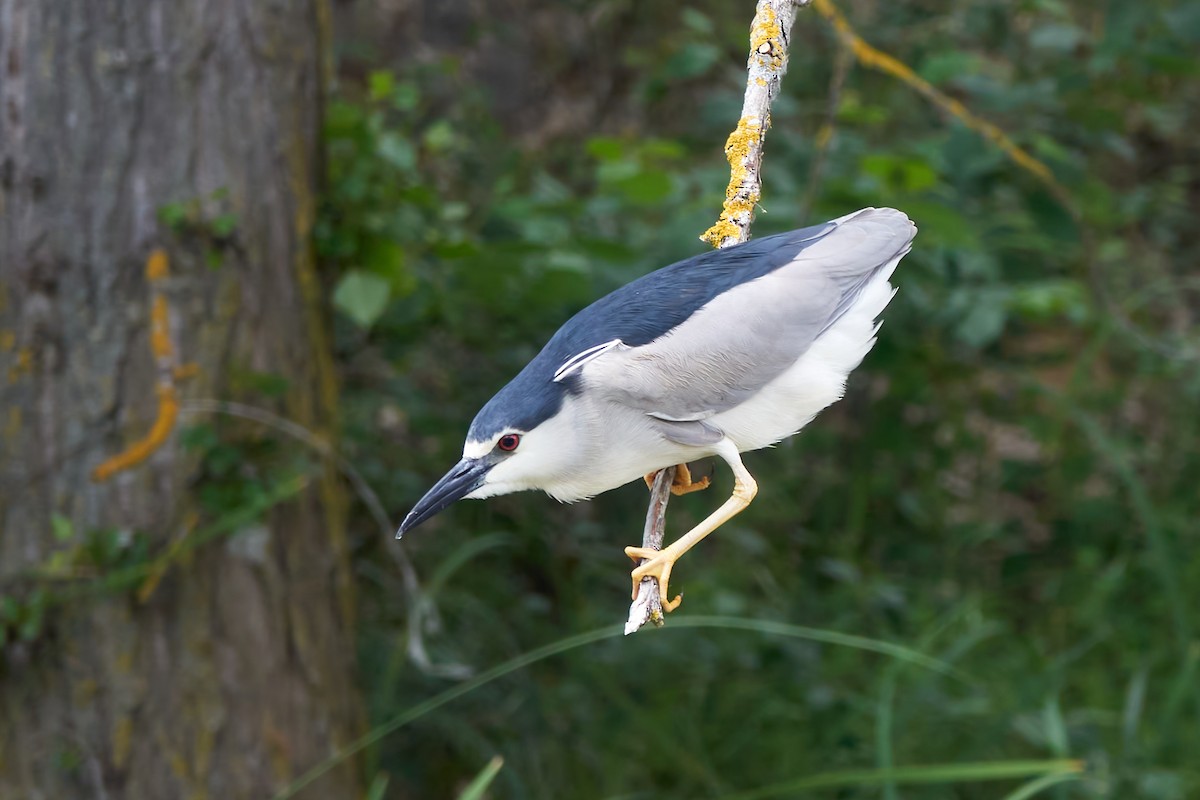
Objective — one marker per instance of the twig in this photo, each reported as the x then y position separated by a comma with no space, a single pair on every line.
824,141
869,56
765,68
647,606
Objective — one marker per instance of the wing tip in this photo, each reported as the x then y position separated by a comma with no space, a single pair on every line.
884,214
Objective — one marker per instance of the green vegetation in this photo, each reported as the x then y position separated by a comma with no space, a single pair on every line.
1009,486
975,577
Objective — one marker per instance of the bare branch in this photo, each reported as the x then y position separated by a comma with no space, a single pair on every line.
647,606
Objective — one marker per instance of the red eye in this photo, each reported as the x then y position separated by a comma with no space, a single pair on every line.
508,442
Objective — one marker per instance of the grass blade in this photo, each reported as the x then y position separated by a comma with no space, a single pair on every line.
931,774
483,780
609,632
1028,790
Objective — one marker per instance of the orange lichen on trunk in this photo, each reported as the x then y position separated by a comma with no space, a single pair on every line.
157,269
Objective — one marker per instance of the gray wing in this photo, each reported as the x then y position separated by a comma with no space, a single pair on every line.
747,336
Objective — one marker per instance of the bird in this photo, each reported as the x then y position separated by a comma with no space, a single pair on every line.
729,351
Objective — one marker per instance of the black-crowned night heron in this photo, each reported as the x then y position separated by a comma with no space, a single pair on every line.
729,351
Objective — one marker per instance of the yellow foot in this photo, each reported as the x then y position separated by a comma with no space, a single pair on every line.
683,483
658,564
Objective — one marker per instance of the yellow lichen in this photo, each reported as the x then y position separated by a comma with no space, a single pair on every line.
8,340
142,449
168,399
766,38
185,371
824,134
23,365
12,425
157,265
122,742
742,193
202,755
765,29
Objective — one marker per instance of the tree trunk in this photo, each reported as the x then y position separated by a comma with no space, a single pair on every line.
191,126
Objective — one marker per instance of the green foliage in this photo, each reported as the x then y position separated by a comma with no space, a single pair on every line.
1008,487
362,296
207,222
21,620
241,470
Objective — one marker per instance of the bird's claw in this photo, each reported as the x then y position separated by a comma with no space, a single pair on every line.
655,564
683,483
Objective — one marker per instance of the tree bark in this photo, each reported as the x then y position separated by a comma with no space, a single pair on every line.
237,672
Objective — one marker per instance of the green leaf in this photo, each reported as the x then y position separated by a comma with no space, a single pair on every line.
63,529
1044,300
693,60
361,296
385,258
173,215
439,136
605,148
381,83
1056,37
942,224
483,780
31,626
10,609
198,438
406,96
397,151
646,186
662,148
984,322
941,68
223,225
905,173
696,20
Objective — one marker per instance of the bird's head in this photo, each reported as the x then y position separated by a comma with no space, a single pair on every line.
513,446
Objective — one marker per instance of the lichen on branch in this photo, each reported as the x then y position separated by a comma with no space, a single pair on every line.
765,68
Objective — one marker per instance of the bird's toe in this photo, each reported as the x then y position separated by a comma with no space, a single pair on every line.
655,564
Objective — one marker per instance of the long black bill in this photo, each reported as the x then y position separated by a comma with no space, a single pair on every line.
466,477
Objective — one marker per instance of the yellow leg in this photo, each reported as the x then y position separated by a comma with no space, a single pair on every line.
658,563
683,483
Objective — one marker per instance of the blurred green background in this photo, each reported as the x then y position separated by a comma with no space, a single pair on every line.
1009,485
